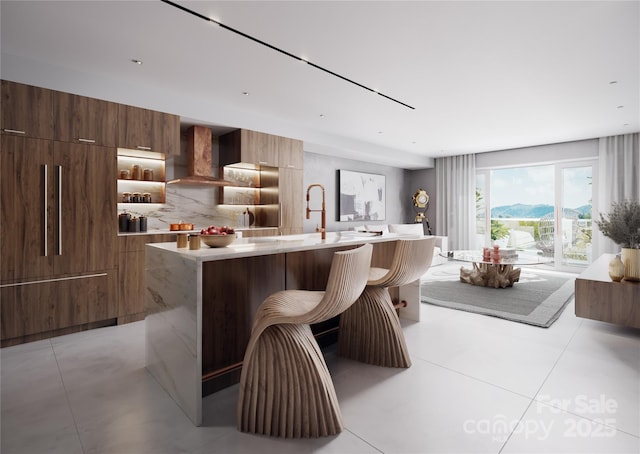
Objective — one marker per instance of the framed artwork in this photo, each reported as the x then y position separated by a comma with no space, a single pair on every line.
362,196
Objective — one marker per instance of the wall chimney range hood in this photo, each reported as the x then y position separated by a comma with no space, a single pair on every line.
199,163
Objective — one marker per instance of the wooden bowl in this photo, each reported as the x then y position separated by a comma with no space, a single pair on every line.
218,240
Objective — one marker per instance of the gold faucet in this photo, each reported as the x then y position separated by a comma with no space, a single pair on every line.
323,229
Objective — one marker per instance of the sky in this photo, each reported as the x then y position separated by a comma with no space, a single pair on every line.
535,185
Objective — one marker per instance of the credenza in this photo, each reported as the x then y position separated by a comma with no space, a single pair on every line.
600,298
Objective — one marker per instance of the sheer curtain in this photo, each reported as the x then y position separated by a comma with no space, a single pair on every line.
455,208
619,179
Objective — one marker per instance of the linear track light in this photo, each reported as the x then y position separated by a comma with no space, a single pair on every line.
288,54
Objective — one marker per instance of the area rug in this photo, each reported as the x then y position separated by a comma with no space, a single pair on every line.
537,299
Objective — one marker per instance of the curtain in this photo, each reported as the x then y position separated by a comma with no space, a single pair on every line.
618,179
455,207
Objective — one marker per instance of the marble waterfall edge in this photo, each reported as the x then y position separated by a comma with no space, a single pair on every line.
173,332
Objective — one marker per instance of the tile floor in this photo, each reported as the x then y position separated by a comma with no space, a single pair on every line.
477,385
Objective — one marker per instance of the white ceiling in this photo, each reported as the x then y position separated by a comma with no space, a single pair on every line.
481,76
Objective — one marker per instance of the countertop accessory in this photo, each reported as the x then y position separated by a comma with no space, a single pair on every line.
182,240
194,241
218,240
135,172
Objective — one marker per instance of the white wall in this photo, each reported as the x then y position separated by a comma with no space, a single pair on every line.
324,170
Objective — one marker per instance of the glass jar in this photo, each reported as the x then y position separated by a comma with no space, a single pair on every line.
146,197
135,172
126,197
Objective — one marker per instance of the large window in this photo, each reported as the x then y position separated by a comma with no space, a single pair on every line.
544,209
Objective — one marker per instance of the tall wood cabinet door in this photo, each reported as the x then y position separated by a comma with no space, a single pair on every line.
86,208
135,128
26,110
85,120
131,283
26,194
290,192
166,134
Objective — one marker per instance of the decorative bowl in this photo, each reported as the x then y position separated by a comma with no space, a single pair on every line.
218,240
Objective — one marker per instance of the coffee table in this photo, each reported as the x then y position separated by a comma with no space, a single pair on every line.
500,274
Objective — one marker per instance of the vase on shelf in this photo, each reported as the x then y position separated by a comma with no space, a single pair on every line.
616,269
631,259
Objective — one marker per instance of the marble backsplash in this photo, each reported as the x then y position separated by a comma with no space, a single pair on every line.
192,204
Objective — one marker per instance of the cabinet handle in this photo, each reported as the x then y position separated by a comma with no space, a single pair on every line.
80,139
14,131
291,166
44,214
140,147
264,163
59,210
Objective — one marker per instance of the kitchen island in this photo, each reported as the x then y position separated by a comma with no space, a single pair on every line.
201,303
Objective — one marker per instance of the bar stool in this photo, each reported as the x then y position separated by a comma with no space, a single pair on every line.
285,387
370,330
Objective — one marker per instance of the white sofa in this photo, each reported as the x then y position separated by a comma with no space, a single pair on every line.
417,229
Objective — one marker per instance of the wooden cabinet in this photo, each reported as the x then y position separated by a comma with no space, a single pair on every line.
85,120
36,310
131,274
26,206
599,298
26,110
262,231
291,202
243,146
290,153
86,208
58,208
270,154
248,147
166,133
147,130
59,228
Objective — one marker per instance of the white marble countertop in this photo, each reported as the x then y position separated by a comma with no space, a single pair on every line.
250,247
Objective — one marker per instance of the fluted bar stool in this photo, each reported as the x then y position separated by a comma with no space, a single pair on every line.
285,387
370,330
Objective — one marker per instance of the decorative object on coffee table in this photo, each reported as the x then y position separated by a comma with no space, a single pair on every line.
622,225
498,271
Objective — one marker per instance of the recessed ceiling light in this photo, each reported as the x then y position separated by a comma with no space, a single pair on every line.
626,124
137,62
620,107
321,115
246,93
613,82
379,132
